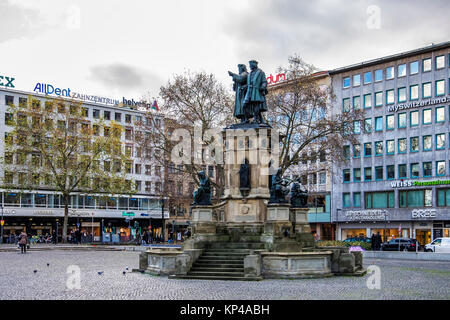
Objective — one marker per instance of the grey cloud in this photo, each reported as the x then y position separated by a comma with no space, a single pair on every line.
334,32
17,22
123,76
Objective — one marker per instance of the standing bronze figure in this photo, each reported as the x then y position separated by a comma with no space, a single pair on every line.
255,98
240,87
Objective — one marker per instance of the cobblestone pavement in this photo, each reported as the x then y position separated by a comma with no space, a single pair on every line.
399,280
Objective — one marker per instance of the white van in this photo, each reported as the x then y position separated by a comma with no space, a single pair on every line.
438,245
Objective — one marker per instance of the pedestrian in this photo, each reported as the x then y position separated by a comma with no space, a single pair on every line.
54,237
378,241
23,241
178,236
373,241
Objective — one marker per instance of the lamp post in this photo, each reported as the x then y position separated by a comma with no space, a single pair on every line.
337,224
162,219
2,222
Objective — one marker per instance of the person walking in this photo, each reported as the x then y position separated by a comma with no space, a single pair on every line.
378,241
372,241
54,237
23,241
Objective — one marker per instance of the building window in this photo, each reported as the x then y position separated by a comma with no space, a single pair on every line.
402,145
390,73
416,198
402,120
414,118
367,101
440,168
356,103
148,169
427,145
356,151
96,113
378,99
107,115
322,178
390,97
346,105
357,127
401,94
427,169
346,200
138,168
426,90
390,122
379,148
138,185
443,197
440,88
148,186
368,125
402,171
368,77
426,116
128,118
378,173
414,143
9,100
390,172
368,149
414,92
357,199
390,147
401,70
440,62
357,175
118,117
346,152
356,80
426,65
346,175
379,124
440,114
414,170
440,141
368,174
414,67
378,75
346,82
379,200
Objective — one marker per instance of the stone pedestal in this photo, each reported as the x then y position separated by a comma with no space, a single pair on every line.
300,219
203,221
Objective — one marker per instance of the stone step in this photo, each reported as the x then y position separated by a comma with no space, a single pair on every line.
221,261
216,273
216,278
220,269
218,265
236,245
224,254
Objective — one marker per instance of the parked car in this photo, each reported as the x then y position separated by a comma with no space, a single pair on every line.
402,244
438,245
360,239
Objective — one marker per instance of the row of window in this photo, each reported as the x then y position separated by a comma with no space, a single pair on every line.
389,173
62,108
407,199
389,72
402,146
402,120
376,99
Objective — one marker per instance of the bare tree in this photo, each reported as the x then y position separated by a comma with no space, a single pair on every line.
57,148
301,109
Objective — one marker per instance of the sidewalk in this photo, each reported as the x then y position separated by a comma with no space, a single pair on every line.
400,255
89,247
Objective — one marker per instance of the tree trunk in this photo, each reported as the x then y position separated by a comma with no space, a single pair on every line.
66,218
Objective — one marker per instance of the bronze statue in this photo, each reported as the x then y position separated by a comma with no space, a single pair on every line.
278,190
255,97
240,87
244,176
202,196
299,198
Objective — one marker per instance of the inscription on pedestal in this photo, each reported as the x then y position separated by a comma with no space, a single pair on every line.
278,214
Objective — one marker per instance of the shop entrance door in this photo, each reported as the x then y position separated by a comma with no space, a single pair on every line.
423,236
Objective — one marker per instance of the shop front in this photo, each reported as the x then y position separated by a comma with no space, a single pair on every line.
422,224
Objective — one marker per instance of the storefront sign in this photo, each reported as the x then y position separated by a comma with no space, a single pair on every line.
423,214
50,89
366,215
278,78
127,214
43,212
135,104
155,215
6,82
410,183
418,104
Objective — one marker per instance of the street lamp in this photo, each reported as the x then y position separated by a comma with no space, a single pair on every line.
162,219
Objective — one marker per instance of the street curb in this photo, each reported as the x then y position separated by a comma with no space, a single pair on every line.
420,256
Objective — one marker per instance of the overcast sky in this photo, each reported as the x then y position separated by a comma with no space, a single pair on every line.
118,48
